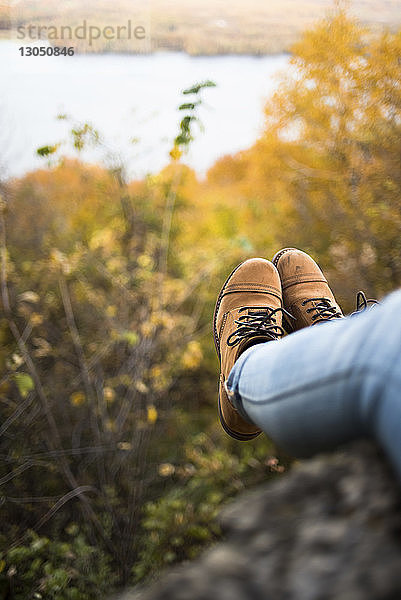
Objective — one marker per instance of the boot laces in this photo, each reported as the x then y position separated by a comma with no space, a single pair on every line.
324,310
362,303
260,321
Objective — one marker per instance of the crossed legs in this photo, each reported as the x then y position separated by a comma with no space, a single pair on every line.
325,385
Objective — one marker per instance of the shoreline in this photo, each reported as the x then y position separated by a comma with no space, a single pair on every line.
257,28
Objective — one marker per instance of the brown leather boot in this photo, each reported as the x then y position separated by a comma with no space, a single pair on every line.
248,311
306,293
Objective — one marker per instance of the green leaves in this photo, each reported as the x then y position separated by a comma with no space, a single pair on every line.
185,137
24,383
179,524
130,337
45,151
43,568
83,135
195,89
188,106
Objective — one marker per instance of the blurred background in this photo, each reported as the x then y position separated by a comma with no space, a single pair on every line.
178,140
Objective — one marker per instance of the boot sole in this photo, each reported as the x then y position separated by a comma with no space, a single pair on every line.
238,436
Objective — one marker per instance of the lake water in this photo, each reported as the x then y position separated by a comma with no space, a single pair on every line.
130,97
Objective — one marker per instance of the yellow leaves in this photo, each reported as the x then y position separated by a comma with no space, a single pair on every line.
156,371
102,238
346,41
175,153
152,414
141,387
147,328
167,321
117,264
145,261
130,337
109,395
111,311
173,289
152,180
36,319
160,377
192,356
166,469
77,398
125,446
110,426
157,319
179,518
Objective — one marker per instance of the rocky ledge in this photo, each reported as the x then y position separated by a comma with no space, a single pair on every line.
329,529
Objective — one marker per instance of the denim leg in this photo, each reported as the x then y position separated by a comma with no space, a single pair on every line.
328,384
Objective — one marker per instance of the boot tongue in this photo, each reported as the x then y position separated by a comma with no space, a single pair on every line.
258,337
245,344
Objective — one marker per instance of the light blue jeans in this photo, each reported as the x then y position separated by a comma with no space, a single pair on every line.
327,384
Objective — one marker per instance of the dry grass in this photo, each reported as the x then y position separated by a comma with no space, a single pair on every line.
200,27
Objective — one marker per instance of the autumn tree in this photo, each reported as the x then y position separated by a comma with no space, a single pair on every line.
326,173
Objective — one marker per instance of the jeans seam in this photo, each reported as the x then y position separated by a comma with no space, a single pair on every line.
309,386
